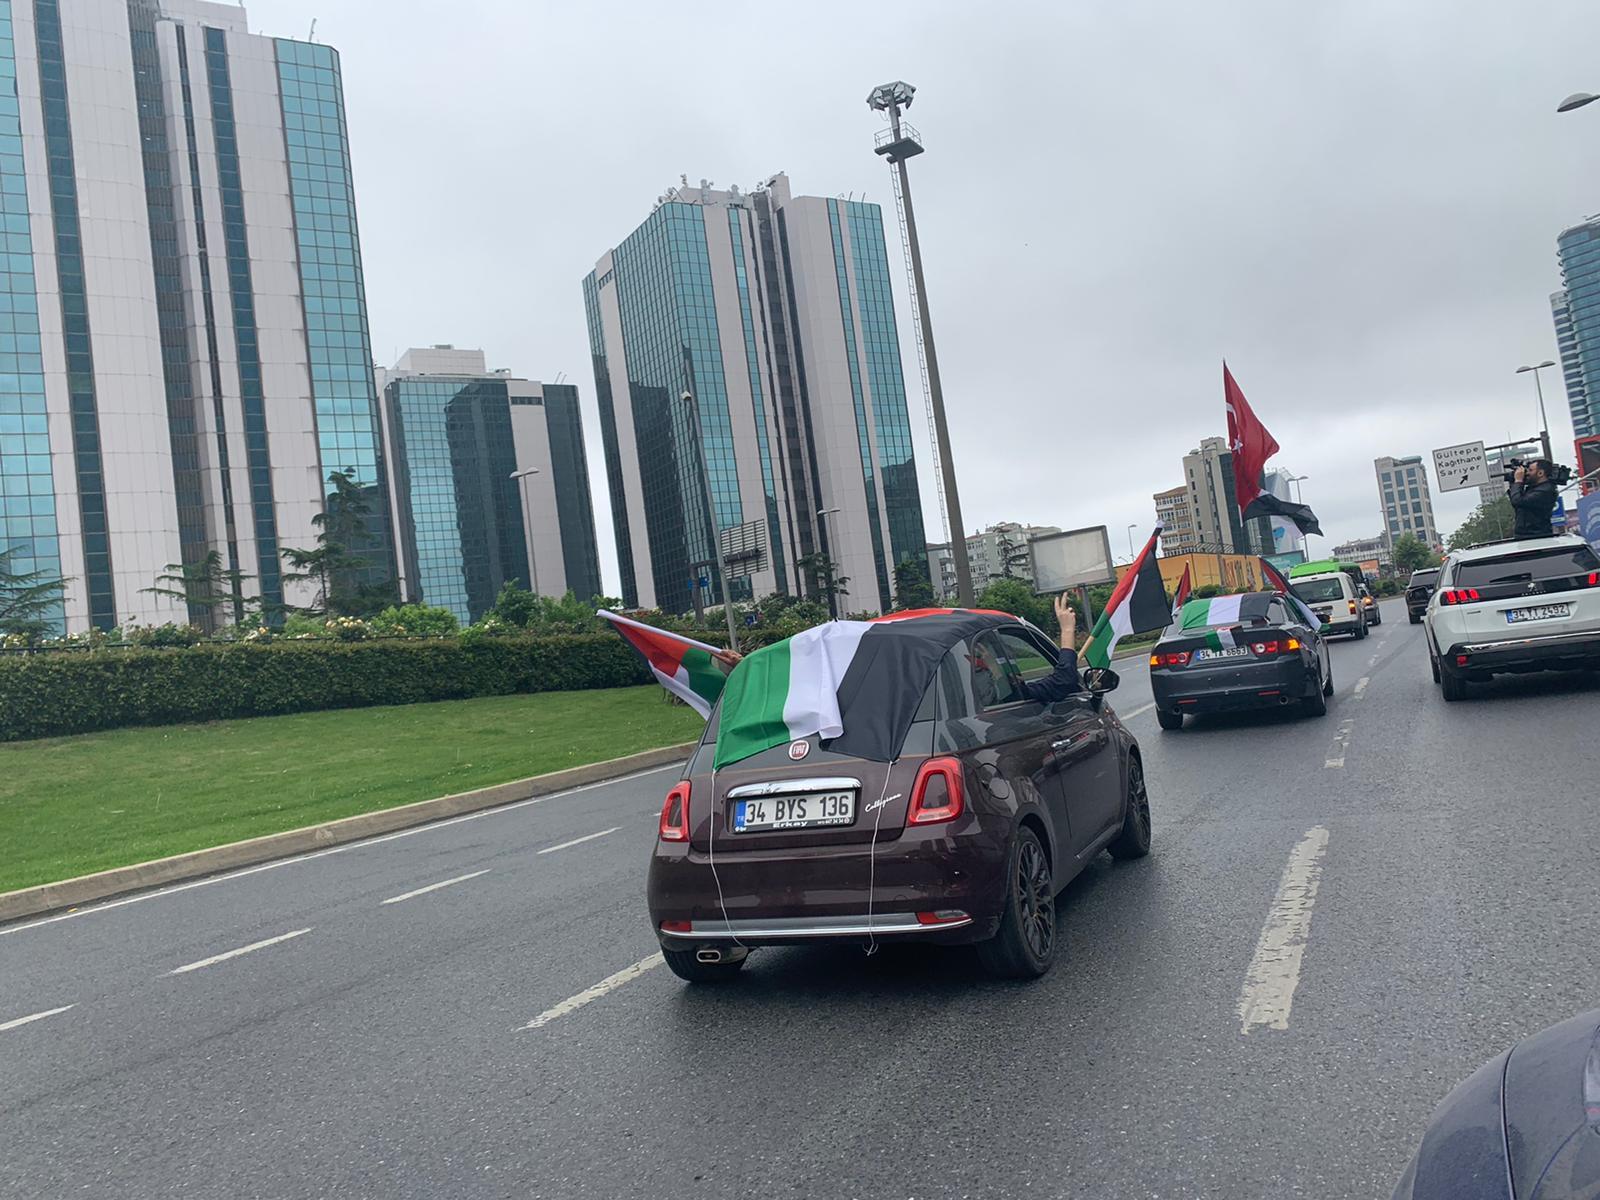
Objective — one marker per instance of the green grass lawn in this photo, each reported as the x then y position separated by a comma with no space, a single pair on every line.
72,805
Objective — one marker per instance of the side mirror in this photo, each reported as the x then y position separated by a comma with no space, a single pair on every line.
1100,680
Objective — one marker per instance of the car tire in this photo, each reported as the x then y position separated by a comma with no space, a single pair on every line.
1316,704
1433,663
686,966
1361,629
1025,945
1327,683
1453,685
1134,840
1416,618
1169,720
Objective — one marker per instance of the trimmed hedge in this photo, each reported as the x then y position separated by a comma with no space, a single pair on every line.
46,695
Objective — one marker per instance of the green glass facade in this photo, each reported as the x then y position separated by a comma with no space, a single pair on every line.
461,526
26,353
241,297
569,466
338,340
736,222
27,488
672,343
604,400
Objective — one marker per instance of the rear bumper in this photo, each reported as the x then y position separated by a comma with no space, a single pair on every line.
818,894
1541,652
1257,685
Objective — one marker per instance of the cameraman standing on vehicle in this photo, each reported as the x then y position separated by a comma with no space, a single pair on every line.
1533,498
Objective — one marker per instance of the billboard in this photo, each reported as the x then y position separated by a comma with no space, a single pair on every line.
1076,558
1588,454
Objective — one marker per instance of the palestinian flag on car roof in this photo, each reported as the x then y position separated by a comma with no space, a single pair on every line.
1215,621
683,666
1138,605
1181,596
858,683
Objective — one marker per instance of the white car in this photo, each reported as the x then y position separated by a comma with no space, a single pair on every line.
1514,606
1333,597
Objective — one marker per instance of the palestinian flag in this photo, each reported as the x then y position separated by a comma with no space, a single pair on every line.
1139,605
1278,583
1181,596
857,684
683,666
1213,621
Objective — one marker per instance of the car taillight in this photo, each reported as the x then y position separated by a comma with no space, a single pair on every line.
1352,605
1175,658
1459,596
1594,578
675,813
936,795
1280,646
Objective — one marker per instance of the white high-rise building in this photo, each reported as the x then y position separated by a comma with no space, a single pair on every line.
184,357
1406,499
774,314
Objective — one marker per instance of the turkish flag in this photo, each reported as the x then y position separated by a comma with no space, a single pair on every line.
1249,440
1252,445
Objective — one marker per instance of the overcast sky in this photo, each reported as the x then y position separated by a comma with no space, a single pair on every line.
1355,203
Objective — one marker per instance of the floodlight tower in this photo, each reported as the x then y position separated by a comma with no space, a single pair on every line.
898,143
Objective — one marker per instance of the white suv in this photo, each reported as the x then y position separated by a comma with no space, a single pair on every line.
1528,605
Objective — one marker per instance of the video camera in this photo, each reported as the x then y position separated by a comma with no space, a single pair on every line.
1560,474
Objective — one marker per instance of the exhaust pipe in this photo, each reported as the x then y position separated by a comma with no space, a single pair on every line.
1283,699
710,954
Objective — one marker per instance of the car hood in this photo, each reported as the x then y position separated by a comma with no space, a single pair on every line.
1524,1126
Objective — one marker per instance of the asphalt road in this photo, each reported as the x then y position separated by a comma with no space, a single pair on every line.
376,1044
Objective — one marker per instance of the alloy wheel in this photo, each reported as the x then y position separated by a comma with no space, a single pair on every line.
1035,899
1139,798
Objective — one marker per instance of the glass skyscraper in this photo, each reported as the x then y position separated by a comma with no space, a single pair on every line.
1585,412
490,483
177,376
752,398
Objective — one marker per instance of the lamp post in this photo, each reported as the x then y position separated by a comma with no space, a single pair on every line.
827,557
1544,421
1131,528
711,512
527,523
901,144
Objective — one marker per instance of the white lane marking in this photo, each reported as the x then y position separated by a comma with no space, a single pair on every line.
434,887
1138,711
1274,971
227,954
590,994
1373,661
1341,743
1361,685
38,1016
307,857
588,837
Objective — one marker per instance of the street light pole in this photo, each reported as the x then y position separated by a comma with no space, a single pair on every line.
1299,498
1544,421
527,524
711,512
903,144
833,599
1131,528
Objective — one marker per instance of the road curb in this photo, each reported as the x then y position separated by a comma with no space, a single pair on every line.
103,885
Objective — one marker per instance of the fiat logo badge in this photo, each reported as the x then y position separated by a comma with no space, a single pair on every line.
798,750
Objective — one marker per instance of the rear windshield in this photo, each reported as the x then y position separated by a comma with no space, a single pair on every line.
1331,588
1428,576
1531,566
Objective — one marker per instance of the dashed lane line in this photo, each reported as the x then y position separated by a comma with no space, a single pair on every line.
227,954
32,1017
434,887
1361,686
588,837
1274,972
1341,744
590,994
74,913
1138,712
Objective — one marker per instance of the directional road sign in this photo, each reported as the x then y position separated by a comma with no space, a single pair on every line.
1458,467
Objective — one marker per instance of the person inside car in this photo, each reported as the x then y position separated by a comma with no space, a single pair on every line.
1533,498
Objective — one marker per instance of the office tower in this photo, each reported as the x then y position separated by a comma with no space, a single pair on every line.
1175,511
773,315
1286,535
184,356
1585,414
489,482
1407,502
1208,475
